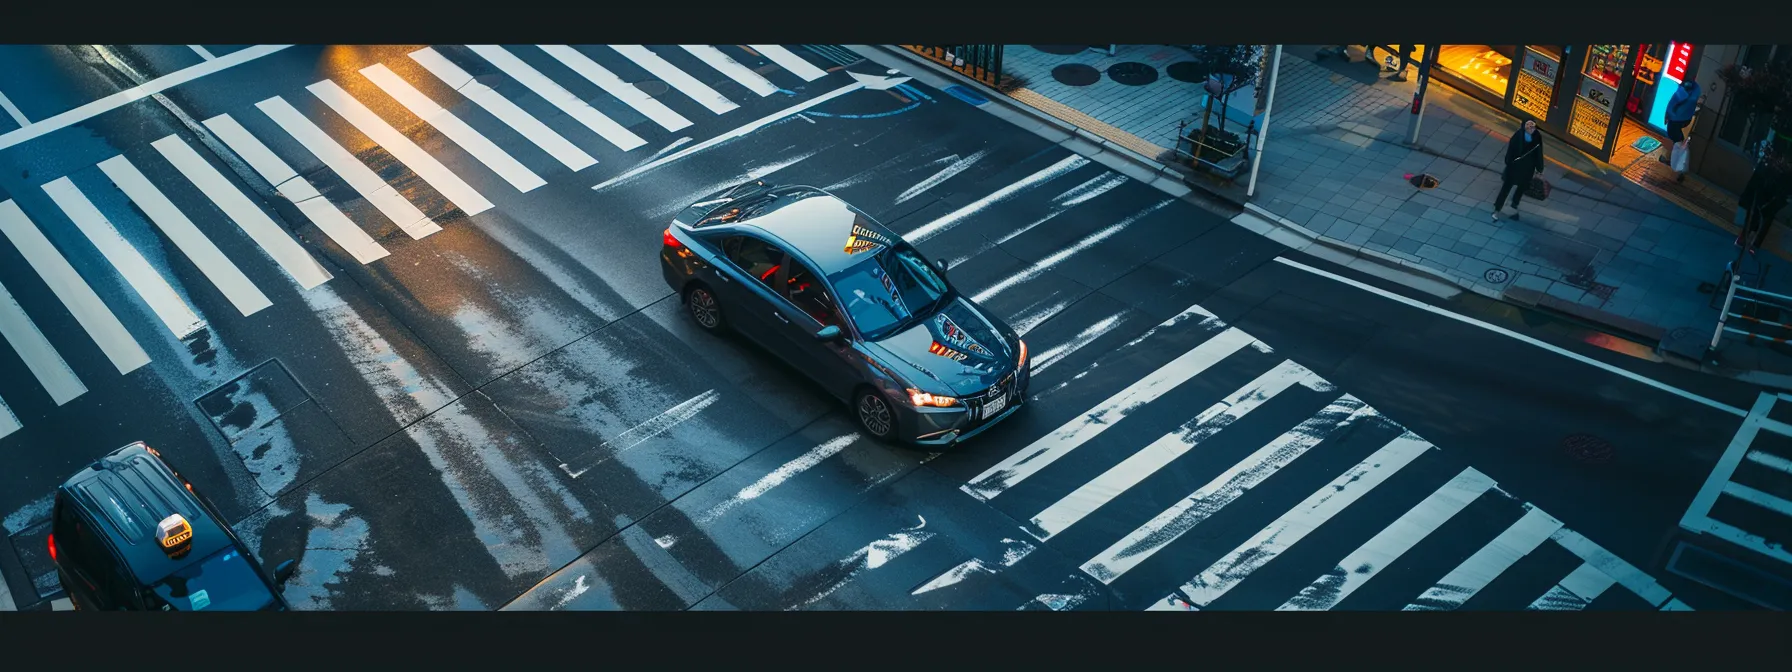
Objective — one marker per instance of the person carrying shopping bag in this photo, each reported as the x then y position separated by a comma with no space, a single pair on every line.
1524,162
1682,107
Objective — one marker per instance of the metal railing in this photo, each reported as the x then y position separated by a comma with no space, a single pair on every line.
1758,308
982,62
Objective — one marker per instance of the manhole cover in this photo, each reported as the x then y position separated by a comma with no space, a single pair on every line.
1060,49
1588,448
1187,71
1132,73
1076,74
1497,276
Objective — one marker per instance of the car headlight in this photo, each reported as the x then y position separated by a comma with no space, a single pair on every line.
920,398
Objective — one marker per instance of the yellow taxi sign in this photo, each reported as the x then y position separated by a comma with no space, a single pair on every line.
174,532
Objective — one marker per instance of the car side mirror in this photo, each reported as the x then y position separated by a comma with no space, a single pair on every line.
284,572
940,264
829,333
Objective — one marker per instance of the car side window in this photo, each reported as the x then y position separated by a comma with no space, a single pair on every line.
805,290
757,257
92,563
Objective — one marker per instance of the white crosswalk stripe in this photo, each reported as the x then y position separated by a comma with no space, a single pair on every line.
358,176
1577,590
76,296
1721,502
279,246
40,357
476,144
498,106
629,94
789,61
9,423
455,189
210,260
676,78
579,110
166,303
732,68
1496,557
327,217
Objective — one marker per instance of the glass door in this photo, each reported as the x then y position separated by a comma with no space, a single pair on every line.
1591,116
1536,81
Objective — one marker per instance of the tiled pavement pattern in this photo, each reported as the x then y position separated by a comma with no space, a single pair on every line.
1149,112
1335,163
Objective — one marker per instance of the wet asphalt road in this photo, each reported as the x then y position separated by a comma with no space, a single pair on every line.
405,428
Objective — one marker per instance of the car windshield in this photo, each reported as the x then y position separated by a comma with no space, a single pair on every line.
888,292
223,582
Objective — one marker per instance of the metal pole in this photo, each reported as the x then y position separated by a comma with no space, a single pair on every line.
1275,66
1724,315
1418,96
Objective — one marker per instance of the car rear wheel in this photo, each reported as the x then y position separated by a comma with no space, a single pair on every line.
704,308
875,414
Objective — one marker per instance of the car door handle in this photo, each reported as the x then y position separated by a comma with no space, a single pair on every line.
781,317
723,276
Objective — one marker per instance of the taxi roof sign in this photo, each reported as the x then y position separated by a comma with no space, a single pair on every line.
173,533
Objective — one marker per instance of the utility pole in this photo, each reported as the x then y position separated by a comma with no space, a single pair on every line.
1275,66
1418,96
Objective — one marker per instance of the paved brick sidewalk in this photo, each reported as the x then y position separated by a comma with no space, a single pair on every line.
1335,163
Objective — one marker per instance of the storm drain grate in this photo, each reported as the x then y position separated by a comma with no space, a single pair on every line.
1588,449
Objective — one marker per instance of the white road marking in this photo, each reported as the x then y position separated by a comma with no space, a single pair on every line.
1016,551
498,106
778,476
1773,462
1626,574
425,166
358,176
1072,435
9,423
62,604
653,427
1058,257
1675,605
1519,337
628,93
1057,353
13,111
274,241
79,298
859,82
476,144
143,278
210,260
1583,585
951,219
1697,517
1390,543
678,79
136,93
40,357
321,212
1276,538
1025,322
1480,569
579,110
789,61
1138,546
946,173
1097,492
732,68
202,51
1758,498
874,555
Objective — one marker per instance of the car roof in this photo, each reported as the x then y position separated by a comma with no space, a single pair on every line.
819,225
128,493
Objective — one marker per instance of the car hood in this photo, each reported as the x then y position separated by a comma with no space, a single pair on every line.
960,347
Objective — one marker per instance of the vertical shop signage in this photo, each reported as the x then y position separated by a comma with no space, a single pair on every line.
1673,71
1536,84
1592,113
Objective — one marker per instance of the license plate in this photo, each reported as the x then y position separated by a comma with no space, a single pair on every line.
995,406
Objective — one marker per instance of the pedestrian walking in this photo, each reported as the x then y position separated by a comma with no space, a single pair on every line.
1405,63
1524,161
1682,107
1761,201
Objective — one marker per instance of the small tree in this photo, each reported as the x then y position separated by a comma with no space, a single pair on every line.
1233,66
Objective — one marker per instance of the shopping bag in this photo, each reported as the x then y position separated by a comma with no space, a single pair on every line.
1678,162
1538,189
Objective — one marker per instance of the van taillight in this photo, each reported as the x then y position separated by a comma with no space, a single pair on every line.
52,548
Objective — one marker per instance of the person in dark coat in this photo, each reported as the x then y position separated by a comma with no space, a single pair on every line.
1761,201
1524,161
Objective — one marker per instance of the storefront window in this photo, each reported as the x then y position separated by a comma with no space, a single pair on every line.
1537,80
1592,114
1488,67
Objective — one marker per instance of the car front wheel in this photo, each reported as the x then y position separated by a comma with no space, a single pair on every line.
875,414
705,309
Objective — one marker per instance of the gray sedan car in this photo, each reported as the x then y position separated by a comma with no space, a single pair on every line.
845,300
